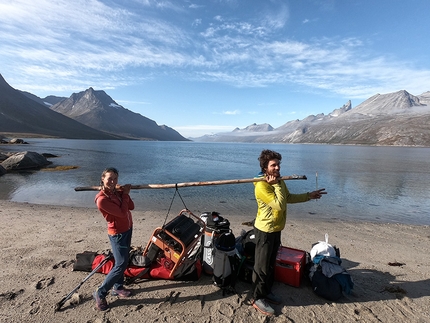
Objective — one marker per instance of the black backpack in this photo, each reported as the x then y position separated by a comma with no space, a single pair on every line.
245,245
248,245
225,241
215,222
225,262
326,287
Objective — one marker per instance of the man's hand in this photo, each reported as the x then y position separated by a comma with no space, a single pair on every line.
271,179
316,195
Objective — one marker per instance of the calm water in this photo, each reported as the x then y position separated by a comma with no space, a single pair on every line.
383,184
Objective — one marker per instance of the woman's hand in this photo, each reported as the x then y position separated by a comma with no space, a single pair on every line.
124,188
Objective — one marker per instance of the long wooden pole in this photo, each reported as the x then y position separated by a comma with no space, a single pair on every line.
177,185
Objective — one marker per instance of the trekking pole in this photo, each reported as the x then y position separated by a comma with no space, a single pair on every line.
316,182
66,298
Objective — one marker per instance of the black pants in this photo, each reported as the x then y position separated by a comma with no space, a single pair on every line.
266,249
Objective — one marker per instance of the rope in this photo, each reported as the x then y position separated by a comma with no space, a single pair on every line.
181,197
171,203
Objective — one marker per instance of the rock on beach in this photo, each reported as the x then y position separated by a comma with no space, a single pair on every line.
25,160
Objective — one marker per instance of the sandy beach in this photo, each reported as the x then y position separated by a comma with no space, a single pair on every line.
39,244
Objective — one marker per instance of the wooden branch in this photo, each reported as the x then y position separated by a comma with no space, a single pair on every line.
189,184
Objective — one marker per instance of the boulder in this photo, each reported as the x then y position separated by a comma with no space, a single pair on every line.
25,160
2,170
48,155
17,141
3,157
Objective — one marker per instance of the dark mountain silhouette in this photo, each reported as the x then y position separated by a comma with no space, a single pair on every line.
52,99
397,118
98,110
22,115
47,101
33,97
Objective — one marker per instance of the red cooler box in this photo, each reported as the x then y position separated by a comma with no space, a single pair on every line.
290,265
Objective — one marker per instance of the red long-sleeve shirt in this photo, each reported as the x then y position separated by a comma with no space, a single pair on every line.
115,208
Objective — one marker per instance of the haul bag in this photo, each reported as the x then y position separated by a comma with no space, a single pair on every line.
131,271
326,287
158,270
84,261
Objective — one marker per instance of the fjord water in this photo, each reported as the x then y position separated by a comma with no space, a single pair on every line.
382,184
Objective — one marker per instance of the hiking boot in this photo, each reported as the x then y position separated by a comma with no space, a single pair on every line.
262,306
121,293
272,298
101,303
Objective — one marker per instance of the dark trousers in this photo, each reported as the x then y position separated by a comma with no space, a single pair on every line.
266,248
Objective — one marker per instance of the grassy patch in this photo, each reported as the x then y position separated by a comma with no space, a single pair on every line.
59,168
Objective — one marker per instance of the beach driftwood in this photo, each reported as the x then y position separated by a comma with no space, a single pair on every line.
188,184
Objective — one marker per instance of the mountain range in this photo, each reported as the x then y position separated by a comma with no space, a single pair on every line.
393,119
86,115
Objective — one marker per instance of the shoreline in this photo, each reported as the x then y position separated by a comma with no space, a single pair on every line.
293,215
40,242
297,212
11,135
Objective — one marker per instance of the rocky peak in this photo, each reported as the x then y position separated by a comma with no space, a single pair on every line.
337,112
425,98
83,102
89,94
391,103
256,128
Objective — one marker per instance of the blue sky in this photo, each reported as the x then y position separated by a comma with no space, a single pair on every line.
209,66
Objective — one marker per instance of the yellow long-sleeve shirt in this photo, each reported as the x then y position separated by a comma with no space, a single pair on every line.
272,203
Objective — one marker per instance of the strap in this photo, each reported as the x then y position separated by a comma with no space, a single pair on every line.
131,280
171,203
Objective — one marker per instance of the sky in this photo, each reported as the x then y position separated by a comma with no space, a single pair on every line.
209,66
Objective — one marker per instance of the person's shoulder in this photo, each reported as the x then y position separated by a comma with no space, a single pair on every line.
100,196
259,175
100,193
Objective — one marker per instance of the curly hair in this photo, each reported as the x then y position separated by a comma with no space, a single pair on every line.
266,156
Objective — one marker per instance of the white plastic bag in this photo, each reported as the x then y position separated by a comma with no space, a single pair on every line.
323,248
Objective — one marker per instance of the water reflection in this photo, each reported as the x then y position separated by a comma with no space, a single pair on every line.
368,183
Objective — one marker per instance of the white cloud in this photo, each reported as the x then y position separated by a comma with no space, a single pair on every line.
89,42
278,17
196,22
234,112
